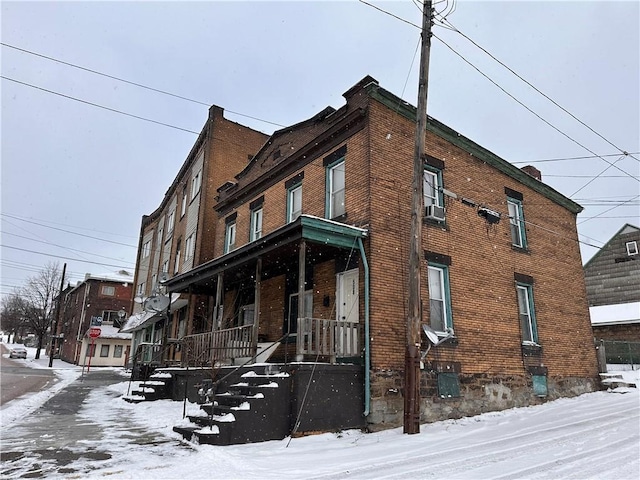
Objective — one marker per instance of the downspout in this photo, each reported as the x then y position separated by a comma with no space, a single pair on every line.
367,359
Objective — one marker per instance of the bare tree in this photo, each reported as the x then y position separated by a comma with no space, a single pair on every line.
13,315
39,294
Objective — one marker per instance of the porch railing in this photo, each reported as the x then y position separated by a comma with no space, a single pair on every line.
218,346
332,338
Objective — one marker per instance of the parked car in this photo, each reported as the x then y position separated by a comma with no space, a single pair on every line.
18,352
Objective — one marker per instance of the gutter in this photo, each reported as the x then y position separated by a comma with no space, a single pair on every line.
367,359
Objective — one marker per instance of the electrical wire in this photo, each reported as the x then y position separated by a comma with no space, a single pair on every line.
19,217
530,110
622,151
570,158
68,231
99,106
62,257
146,87
608,210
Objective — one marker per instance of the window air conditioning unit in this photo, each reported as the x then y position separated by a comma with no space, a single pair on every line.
435,212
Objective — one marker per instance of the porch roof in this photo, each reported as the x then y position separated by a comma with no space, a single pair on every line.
316,230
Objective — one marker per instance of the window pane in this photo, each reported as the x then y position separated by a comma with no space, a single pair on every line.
525,314
437,305
336,191
430,188
104,351
117,351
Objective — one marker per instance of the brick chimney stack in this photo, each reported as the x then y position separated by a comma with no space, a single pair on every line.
533,171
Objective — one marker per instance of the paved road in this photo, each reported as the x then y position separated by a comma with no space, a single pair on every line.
17,379
59,441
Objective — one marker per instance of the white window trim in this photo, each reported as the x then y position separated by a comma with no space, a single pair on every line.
183,205
532,334
256,224
632,248
292,214
230,237
171,220
430,178
333,192
444,298
516,221
189,246
146,249
196,184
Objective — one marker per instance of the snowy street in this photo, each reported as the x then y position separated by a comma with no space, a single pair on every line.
592,436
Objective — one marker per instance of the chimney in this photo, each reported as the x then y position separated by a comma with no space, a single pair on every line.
532,171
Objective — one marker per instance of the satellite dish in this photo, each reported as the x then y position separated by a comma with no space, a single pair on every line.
164,276
138,299
156,303
431,334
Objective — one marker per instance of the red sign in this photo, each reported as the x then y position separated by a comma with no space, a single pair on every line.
94,332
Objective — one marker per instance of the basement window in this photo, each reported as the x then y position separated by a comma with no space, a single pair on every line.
540,385
448,385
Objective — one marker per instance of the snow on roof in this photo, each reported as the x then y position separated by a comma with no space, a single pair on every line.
615,314
123,276
109,331
135,321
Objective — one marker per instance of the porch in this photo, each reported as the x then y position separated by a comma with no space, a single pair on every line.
258,304
327,340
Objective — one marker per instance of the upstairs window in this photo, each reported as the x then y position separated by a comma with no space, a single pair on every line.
230,236
527,313
189,246
141,289
183,207
146,249
176,265
106,290
516,223
336,189
439,298
256,224
171,220
165,266
294,202
432,187
632,248
196,184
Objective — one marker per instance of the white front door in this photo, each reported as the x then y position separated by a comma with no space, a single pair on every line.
347,310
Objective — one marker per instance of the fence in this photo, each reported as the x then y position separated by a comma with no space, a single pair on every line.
620,352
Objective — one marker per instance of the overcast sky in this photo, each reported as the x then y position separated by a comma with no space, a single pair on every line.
68,166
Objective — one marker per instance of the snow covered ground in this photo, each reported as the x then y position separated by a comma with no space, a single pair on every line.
594,436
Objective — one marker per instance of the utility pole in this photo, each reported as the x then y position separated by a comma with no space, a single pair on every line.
414,319
57,318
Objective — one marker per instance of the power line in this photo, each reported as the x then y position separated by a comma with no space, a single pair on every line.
60,256
19,217
571,158
67,248
608,210
100,106
622,151
68,231
391,14
529,109
140,85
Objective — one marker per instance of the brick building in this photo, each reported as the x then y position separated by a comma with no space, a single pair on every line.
612,277
100,300
309,262
174,238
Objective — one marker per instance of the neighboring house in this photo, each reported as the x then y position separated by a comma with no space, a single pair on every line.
308,255
612,277
171,237
102,301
